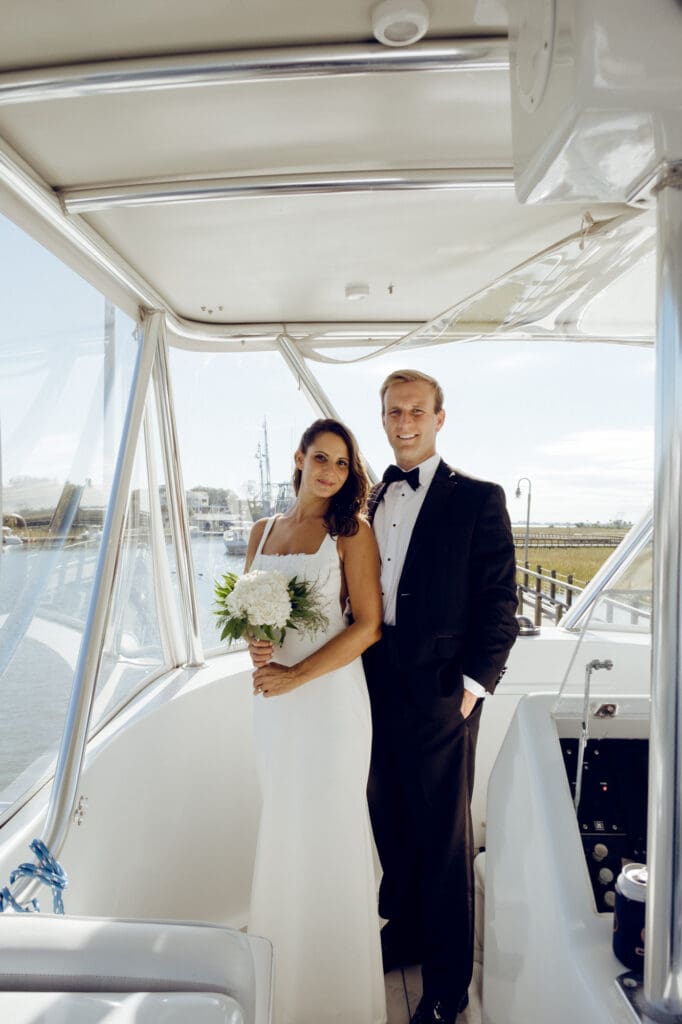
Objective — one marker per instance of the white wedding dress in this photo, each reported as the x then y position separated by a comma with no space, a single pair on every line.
314,892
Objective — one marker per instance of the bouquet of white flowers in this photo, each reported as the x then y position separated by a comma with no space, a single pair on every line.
263,605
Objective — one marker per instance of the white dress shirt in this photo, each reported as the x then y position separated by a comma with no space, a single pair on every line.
394,521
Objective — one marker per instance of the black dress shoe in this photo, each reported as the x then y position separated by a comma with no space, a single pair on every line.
429,1012
435,1012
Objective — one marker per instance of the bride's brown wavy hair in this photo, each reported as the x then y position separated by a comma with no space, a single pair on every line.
350,503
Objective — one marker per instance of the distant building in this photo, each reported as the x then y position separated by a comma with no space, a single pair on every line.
211,522
197,501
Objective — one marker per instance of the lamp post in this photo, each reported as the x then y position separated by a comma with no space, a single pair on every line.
518,495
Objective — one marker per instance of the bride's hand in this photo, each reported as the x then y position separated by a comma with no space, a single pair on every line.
260,651
274,679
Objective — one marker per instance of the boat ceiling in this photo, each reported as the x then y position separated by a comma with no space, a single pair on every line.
258,197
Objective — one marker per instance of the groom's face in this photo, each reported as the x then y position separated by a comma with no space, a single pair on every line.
411,422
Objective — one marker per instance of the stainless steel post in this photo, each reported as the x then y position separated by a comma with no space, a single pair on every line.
74,738
177,505
311,386
663,957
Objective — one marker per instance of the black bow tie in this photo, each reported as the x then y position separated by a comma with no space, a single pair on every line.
395,473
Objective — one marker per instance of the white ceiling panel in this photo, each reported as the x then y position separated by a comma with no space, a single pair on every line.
284,257
45,32
272,259
435,119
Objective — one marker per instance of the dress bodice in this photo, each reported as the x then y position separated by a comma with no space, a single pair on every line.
321,568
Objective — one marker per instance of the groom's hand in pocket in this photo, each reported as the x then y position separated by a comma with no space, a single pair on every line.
468,703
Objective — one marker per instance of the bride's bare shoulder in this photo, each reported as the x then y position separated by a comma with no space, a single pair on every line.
257,528
363,539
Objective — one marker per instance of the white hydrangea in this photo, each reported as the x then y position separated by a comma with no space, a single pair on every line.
263,597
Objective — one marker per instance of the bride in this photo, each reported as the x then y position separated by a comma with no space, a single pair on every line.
314,891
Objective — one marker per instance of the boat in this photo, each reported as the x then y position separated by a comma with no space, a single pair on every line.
204,218
9,537
236,538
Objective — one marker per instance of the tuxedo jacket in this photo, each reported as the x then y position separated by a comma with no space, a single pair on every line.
456,600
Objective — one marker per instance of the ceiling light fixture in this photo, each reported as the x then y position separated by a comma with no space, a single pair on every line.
354,292
400,22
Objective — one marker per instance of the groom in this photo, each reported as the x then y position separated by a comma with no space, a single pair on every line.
448,587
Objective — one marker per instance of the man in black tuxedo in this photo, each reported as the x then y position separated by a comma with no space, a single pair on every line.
448,584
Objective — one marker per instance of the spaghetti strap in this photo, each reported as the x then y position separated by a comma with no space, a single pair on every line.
268,526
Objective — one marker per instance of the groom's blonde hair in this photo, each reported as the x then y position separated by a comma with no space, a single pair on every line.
408,377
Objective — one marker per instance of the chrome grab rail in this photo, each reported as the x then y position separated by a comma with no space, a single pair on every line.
177,71
89,198
663,955
177,505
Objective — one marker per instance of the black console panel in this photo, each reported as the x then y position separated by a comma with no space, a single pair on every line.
612,815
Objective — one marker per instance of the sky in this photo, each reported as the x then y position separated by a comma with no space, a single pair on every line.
575,419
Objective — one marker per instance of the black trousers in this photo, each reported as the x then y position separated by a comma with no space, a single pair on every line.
420,786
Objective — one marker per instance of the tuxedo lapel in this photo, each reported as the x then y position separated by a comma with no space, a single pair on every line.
420,551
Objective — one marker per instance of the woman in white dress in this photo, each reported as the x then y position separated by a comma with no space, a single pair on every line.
313,890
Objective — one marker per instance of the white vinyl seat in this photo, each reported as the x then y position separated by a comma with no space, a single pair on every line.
57,969
119,1008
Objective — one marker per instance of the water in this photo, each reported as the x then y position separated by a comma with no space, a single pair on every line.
38,671
210,562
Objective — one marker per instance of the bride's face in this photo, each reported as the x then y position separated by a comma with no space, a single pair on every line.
324,466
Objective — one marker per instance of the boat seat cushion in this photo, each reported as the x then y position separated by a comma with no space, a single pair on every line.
119,1008
48,953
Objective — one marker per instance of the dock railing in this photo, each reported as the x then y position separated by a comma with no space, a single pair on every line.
550,595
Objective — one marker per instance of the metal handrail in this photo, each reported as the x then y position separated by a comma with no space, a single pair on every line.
74,737
663,955
177,505
177,71
634,541
636,612
90,198
564,585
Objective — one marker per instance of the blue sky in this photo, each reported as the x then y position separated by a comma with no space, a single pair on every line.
576,419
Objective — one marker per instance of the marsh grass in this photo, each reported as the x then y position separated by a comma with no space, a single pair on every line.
583,563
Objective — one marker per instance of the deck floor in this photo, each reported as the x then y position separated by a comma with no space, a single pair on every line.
404,989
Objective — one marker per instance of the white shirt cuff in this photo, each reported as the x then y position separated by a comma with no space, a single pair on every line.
473,687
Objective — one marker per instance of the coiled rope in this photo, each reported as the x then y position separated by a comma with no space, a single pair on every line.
48,871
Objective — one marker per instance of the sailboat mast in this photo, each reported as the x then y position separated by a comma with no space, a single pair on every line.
266,460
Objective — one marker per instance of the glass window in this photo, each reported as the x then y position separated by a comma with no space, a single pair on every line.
133,647
626,603
239,419
67,360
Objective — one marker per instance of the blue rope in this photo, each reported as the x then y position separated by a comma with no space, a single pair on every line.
48,871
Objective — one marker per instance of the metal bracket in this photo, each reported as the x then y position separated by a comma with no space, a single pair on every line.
80,811
631,987
670,176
